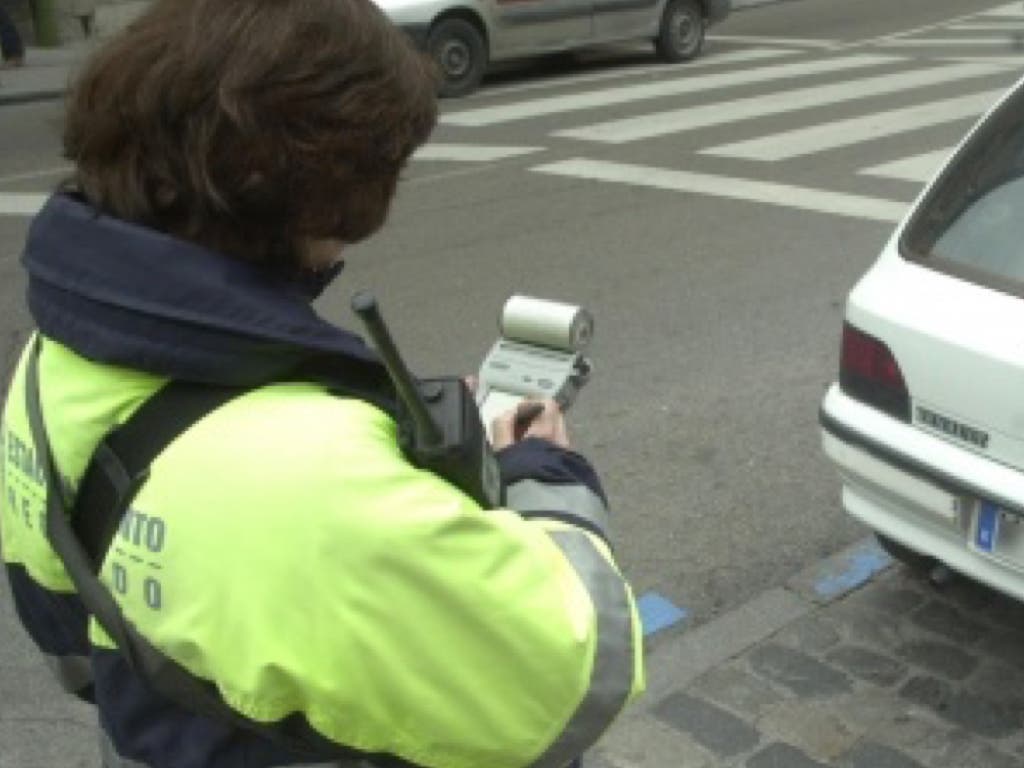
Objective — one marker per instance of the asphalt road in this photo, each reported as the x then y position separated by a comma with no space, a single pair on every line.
716,276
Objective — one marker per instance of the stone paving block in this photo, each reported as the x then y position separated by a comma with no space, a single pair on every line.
736,689
800,673
782,756
811,725
941,658
945,620
712,727
954,748
869,710
868,754
861,626
996,716
867,665
1005,611
892,598
647,743
1006,645
994,675
813,634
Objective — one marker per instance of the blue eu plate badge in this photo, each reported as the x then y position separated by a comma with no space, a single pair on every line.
987,533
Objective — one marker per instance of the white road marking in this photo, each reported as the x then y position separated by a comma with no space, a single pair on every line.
470,153
917,30
750,190
1013,10
793,42
58,171
690,118
708,60
844,133
21,204
1008,26
944,42
917,168
625,94
1009,62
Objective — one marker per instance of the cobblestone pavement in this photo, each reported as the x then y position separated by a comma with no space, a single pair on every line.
897,673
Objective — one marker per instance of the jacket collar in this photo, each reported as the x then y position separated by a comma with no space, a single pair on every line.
123,294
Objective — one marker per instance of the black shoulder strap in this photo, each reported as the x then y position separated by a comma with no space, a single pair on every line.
142,438
166,675
120,463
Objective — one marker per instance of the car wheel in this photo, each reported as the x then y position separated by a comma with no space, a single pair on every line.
681,35
460,53
915,561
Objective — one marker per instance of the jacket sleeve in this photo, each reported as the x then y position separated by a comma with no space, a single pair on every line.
559,490
543,481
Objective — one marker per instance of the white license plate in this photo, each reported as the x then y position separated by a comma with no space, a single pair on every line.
998,533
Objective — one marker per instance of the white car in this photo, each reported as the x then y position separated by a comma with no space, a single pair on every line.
464,36
926,422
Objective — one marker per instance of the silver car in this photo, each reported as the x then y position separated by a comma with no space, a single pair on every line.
464,36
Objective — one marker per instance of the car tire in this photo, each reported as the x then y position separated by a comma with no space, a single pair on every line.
912,559
681,34
459,51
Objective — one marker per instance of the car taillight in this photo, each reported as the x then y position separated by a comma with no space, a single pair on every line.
868,372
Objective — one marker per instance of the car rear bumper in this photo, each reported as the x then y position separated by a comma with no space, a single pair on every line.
922,491
716,10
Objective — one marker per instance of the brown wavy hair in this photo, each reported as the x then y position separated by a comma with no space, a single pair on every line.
249,126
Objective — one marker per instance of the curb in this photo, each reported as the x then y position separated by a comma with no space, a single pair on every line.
692,652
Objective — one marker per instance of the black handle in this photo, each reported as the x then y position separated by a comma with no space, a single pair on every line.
365,305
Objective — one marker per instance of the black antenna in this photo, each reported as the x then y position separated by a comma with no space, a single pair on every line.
365,305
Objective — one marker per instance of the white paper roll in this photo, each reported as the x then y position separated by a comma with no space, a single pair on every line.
546,323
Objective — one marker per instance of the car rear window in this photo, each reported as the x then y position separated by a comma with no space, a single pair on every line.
972,221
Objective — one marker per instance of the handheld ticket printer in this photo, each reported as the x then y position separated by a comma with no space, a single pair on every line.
539,354
441,427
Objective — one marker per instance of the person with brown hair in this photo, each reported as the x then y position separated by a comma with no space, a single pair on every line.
212,528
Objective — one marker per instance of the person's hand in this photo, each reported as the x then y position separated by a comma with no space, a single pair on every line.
530,418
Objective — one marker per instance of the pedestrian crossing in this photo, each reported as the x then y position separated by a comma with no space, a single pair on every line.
921,89
836,95
857,130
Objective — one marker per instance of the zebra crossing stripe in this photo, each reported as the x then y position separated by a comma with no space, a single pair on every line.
470,153
710,60
976,26
792,42
20,204
918,168
750,190
942,42
691,118
1013,10
843,133
552,105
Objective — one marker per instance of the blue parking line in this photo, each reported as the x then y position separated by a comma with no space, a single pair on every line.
853,570
658,612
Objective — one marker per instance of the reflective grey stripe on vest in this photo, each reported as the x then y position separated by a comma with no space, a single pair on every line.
612,674
73,673
578,500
